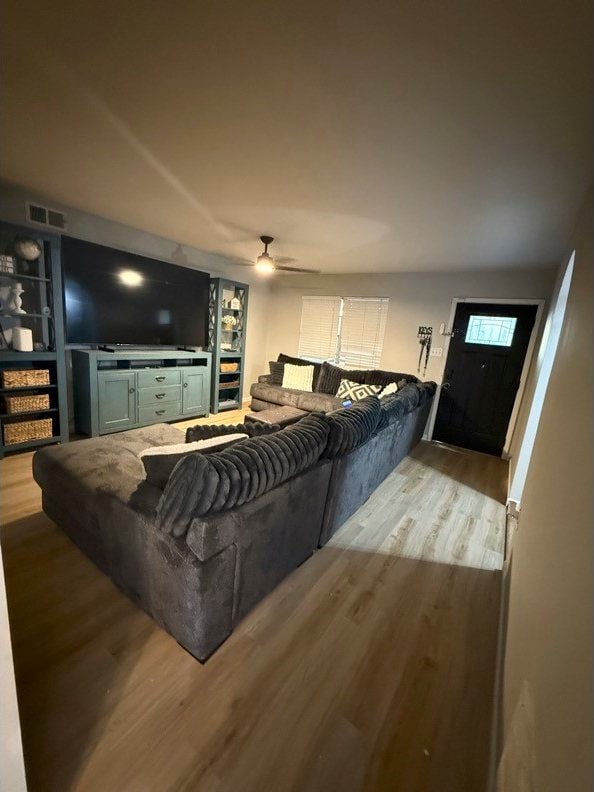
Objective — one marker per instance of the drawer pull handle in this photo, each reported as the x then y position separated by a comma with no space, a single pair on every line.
160,395
185,384
161,379
160,412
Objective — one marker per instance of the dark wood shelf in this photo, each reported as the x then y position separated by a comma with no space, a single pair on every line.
11,354
18,277
30,444
27,388
24,414
235,386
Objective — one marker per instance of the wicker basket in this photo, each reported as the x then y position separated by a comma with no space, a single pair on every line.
229,368
22,431
17,378
28,403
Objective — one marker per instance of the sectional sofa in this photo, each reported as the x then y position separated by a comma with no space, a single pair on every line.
227,527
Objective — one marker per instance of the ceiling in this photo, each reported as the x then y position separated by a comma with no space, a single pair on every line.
365,136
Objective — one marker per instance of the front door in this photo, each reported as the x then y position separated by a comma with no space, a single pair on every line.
482,374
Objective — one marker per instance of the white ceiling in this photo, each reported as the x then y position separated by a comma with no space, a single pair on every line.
366,136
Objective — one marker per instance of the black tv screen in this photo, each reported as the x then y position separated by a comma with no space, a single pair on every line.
114,297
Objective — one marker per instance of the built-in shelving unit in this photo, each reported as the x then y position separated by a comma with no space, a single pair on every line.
228,306
41,281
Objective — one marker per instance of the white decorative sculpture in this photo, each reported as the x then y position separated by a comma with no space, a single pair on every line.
14,304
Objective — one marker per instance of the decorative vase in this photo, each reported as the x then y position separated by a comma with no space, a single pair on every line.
14,304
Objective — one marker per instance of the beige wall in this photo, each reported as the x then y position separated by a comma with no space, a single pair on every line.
415,299
547,723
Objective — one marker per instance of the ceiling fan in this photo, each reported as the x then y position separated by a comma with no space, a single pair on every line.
267,265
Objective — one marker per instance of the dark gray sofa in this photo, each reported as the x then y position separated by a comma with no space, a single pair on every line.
197,567
367,441
227,527
266,394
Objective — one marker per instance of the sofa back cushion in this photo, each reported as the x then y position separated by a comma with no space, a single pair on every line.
351,427
297,361
330,377
201,484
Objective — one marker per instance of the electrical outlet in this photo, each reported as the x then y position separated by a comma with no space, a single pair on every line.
436,352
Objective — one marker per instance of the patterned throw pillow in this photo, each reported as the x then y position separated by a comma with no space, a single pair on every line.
298,377
354,391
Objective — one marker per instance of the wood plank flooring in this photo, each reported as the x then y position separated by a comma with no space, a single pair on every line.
370,668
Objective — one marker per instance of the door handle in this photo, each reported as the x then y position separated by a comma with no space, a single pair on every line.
161,378
160,395
160,412
185,384
132,390
446,385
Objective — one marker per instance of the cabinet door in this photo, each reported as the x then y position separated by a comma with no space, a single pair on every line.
117,400
194,395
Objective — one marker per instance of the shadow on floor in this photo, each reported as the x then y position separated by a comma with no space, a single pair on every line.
361,671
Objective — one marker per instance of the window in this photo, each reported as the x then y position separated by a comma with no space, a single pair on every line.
347,331
491,330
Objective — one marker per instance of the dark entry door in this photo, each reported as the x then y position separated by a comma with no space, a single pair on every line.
482,374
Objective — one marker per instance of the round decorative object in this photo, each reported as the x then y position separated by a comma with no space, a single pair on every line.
28,249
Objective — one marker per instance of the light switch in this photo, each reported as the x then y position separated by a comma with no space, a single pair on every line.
436,351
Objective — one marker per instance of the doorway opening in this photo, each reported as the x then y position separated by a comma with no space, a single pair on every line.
486,366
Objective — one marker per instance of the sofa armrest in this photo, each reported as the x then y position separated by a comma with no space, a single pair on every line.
264,378
207,536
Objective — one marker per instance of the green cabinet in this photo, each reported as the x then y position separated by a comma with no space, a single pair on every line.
121,390
194,390
117,400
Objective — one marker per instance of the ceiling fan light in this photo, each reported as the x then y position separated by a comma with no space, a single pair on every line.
264,264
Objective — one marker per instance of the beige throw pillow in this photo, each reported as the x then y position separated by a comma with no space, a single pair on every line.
298,377
159,461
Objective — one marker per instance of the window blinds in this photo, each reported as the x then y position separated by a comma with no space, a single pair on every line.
318,336
348,331
362,331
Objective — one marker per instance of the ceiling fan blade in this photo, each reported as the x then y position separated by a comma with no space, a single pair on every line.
281,268
285,260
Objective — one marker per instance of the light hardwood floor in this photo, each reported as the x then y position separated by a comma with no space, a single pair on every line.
370,668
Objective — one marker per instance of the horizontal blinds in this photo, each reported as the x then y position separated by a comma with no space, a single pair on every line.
362,331
320,320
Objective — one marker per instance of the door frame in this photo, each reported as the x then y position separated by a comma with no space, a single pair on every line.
447,335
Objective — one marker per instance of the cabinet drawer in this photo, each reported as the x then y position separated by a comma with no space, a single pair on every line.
159,377
159,412
154,395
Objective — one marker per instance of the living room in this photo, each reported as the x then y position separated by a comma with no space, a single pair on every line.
296,379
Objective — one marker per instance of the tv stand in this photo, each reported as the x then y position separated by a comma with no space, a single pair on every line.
103,348
116,390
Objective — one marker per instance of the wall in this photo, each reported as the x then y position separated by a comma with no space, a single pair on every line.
106,232
547,722
415,299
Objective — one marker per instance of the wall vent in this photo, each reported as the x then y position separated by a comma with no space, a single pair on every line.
42,215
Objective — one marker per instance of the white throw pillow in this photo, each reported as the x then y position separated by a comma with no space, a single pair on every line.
298,377
389,389
159,461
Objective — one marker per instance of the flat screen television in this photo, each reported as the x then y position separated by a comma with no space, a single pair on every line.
113,297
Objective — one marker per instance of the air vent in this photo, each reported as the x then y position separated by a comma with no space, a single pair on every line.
42,215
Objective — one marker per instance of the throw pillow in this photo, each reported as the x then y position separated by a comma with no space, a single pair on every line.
282,358
159,461
276,372
355,391
298,377
392,387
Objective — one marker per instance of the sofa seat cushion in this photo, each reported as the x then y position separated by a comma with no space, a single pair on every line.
302,400
108,465
201,484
